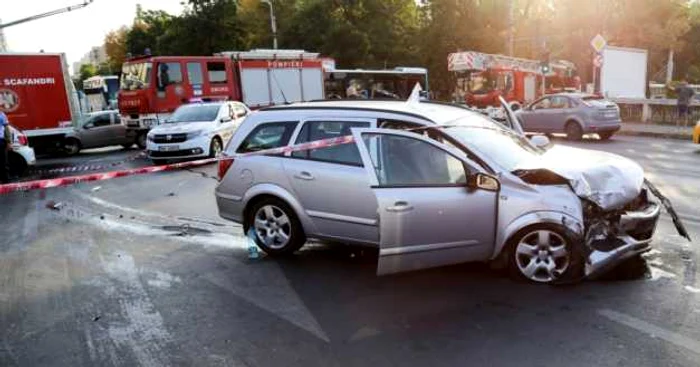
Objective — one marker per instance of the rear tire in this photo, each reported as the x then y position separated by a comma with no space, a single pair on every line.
605,136
71,146
573,131
277,229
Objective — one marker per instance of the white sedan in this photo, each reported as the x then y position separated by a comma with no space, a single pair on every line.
195,131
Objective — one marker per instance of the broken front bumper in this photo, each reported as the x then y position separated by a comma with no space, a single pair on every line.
632,236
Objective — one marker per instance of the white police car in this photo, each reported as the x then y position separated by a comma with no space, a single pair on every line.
195,131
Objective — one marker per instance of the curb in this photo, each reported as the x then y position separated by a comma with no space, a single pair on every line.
651,134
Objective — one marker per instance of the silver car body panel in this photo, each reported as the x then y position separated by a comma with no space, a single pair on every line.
423,227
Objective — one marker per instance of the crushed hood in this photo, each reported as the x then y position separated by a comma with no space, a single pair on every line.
607,179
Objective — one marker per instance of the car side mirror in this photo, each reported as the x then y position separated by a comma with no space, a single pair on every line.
540,141
225,119
484,182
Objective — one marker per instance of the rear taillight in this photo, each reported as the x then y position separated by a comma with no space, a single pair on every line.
224,164
22,139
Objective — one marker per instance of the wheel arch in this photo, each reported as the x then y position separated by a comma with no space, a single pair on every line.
262,191
574,119
535,218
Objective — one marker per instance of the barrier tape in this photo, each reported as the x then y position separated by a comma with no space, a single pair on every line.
71,180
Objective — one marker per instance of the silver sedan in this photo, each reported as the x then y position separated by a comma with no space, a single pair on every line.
573,114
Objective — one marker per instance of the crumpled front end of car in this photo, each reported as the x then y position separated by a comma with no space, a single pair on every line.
613,236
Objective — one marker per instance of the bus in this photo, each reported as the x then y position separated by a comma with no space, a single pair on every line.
397,83
101,93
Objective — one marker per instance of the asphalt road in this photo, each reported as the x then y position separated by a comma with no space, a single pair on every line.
141,271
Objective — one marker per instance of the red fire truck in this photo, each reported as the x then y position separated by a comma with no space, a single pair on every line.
38,97
152,87
482,78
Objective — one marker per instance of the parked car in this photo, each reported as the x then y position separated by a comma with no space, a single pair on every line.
96,130
432,184
195,130
21,156
573,114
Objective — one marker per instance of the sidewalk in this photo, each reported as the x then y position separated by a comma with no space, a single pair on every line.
657,130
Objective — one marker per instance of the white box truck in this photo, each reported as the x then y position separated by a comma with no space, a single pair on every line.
624,72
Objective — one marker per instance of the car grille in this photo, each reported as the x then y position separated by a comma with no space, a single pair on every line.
169,138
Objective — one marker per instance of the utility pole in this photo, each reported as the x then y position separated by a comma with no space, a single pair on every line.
47,14
669,67
273,23
510,41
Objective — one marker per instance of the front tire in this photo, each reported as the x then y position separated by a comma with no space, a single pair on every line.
71,146
215,148
277,229
573,131
141,140
544,254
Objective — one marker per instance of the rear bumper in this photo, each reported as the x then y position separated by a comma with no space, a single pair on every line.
635,231
230,207
606,127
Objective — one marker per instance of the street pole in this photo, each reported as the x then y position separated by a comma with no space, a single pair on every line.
273,23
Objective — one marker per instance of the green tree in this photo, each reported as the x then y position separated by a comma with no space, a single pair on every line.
115,48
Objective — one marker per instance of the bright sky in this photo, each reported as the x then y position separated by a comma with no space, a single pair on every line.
74,32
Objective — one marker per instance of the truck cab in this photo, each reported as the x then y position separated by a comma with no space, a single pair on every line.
152,87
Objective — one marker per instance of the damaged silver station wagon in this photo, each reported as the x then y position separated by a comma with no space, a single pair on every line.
433,184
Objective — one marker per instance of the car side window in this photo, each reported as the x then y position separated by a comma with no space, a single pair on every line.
239,111
559,102
317,130
268,136
543,104
401,161
101,120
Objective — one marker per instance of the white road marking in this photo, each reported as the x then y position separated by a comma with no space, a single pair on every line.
652,330
143,329
266,286
364,333
163,280
691,289
658,273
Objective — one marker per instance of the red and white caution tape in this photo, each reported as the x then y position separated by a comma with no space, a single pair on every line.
71,180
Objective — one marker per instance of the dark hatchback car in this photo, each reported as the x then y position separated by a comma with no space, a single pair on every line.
573,114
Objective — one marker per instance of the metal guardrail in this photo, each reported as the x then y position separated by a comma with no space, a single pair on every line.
660,111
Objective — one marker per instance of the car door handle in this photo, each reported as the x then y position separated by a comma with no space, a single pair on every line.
303,175
399,206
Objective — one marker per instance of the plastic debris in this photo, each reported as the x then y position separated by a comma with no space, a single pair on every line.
96,188
252,245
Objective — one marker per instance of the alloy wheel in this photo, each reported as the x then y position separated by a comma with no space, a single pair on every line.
272,226
542,256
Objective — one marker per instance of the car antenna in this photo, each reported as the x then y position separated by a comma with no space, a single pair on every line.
279,87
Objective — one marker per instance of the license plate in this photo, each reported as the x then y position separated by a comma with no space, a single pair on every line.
168,148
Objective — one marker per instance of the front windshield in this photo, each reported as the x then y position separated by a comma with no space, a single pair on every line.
136,75
504,147
194,113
